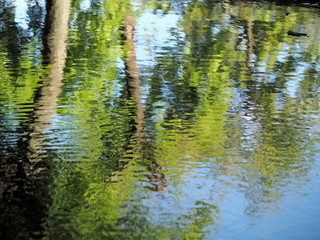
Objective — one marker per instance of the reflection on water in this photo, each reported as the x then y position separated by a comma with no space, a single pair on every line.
158,120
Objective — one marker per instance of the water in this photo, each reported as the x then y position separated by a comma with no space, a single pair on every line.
159,120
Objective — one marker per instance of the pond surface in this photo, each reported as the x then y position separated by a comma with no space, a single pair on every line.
159,120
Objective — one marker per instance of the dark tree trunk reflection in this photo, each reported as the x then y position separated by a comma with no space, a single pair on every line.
26,175
138,143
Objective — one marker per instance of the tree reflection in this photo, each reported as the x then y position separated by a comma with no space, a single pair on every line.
273,143
151,151
25,203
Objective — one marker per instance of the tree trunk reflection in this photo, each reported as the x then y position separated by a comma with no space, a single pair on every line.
138,143
55,45
24,189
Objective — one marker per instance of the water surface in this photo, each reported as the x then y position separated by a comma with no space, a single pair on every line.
159,120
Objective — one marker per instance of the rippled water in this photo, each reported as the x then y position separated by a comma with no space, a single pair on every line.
159,120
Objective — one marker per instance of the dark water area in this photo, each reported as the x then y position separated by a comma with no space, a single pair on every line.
159,120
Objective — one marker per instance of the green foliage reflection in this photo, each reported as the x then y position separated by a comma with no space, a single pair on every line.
231,102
